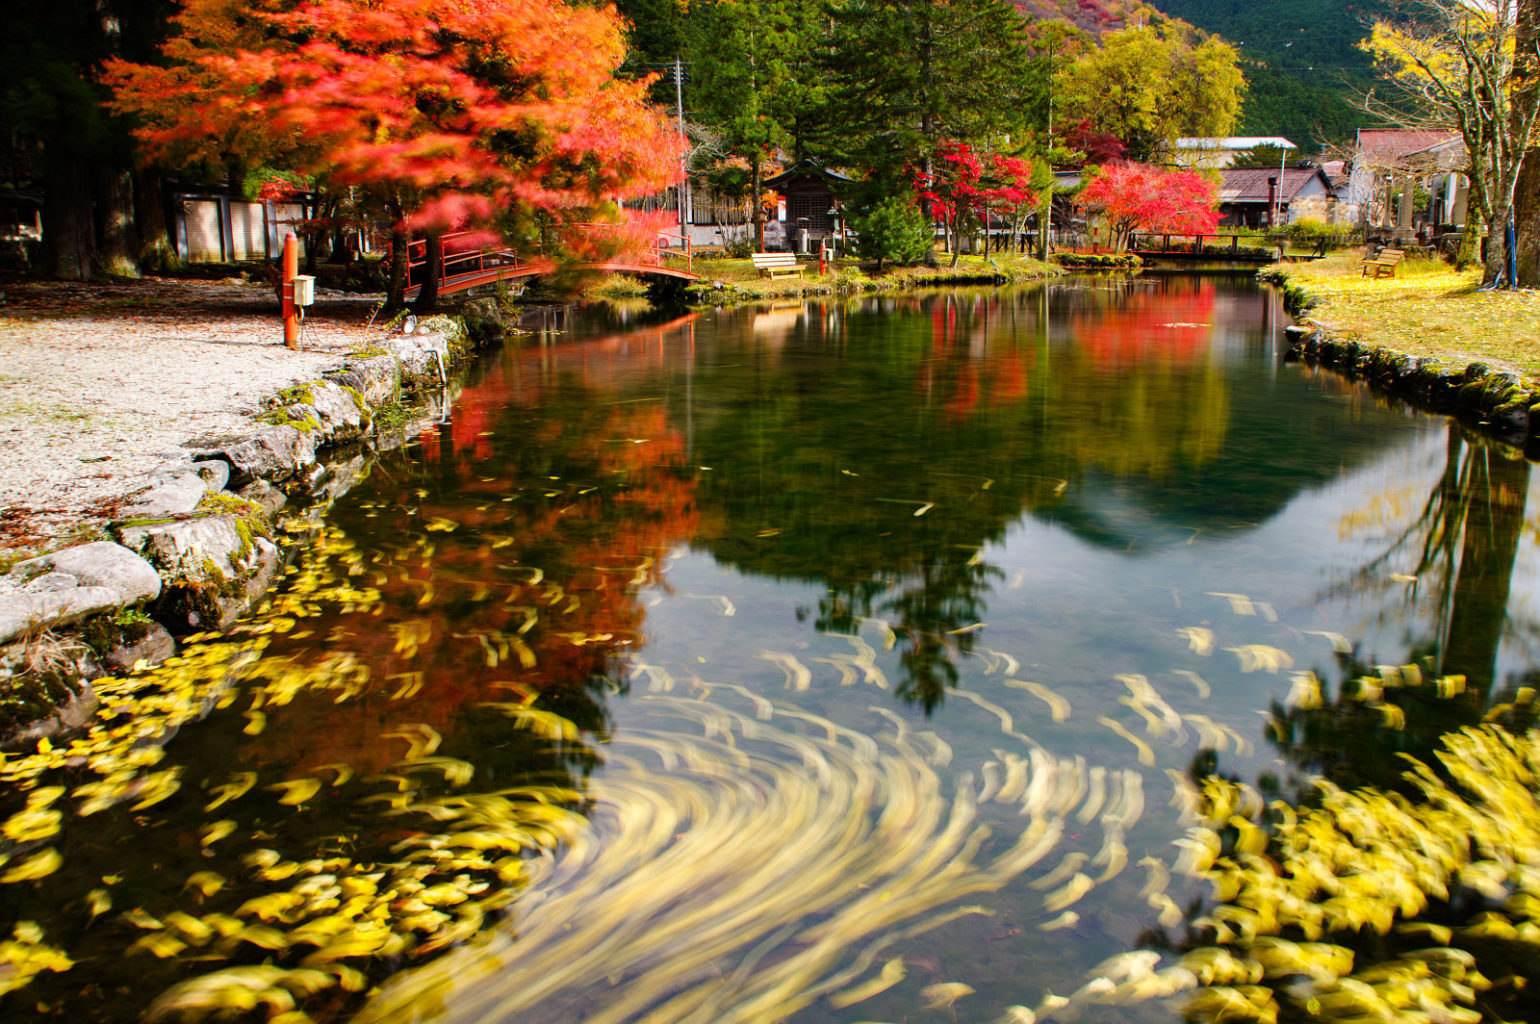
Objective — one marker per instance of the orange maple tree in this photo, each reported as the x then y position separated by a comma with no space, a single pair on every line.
468,112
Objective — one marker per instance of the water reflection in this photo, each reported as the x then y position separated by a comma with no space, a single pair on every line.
854,660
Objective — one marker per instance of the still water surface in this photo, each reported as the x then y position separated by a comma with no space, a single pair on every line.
840,662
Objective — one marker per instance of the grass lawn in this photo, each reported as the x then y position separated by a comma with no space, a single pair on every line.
1426,309
743,283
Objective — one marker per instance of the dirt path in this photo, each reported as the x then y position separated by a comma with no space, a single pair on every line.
100,383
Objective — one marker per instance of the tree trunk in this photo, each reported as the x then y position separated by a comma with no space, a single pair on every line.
1527,202
1469,250
758,209
157,254
1044,225
395,283
69,237
119,247
427,295
1496,256
1527,195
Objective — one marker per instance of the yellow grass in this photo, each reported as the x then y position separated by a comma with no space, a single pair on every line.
848,275
1426,309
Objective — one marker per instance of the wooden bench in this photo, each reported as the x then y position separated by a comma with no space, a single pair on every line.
1384,263
773,264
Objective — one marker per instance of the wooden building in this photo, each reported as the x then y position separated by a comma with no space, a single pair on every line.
220,228
1268,197
814,198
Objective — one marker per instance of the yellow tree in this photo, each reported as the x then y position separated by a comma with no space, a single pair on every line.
1151,85
1464,65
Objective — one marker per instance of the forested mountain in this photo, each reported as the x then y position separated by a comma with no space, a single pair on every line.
1094,16
1301,61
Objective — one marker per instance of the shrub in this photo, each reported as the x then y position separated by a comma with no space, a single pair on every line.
893,230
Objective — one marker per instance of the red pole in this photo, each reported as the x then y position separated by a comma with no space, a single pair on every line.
290,313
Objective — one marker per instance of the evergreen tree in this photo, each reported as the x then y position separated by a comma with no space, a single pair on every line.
52,113
753,79
906,74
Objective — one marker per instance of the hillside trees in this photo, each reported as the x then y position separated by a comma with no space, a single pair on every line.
1470,66
503,114
1301,61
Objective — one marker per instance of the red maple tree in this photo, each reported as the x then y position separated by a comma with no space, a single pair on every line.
1134,197
475,112
962,188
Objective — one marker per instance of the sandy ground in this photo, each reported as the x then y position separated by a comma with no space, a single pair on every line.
101,383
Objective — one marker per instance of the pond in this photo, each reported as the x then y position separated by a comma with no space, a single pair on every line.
958,657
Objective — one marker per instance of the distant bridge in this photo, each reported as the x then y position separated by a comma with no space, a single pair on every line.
459,266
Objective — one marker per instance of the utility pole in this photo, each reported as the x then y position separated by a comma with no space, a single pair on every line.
684,158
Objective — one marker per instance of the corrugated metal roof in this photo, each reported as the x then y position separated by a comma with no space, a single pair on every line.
1233,142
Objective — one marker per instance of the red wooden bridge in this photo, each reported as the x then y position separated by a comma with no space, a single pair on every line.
461,264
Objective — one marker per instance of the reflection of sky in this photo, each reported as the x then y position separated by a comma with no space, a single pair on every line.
1082,613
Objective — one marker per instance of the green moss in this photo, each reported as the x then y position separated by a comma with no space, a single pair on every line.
31,698
104,632
249,519
284,417
358,399
299,394
223,502
38,676
390,415
148,521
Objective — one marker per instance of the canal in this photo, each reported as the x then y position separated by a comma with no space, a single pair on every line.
1057,654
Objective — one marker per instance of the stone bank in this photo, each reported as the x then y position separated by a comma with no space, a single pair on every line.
197,544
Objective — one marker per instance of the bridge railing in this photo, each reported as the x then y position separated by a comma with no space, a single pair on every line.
456,257
643,249
464,252
1214,245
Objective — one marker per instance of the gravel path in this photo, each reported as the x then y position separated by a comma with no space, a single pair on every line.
101,383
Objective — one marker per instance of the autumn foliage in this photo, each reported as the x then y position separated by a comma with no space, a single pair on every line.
1137,197
962,187
457,113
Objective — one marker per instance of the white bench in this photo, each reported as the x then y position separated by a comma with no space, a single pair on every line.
773,264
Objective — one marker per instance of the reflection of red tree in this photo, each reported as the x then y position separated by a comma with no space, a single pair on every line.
1171,325
976,357
537,595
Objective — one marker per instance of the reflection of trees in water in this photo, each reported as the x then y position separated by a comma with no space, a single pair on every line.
1460,551
361,746
939,427
930,613
1404,862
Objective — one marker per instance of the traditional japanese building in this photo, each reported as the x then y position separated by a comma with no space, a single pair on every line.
814,202
1265,197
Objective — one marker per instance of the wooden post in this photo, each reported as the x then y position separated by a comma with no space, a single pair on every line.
290,311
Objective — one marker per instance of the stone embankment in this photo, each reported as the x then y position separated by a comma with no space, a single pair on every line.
1499,404
196,545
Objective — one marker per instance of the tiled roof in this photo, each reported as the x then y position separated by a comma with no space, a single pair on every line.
1387,145
1249,184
